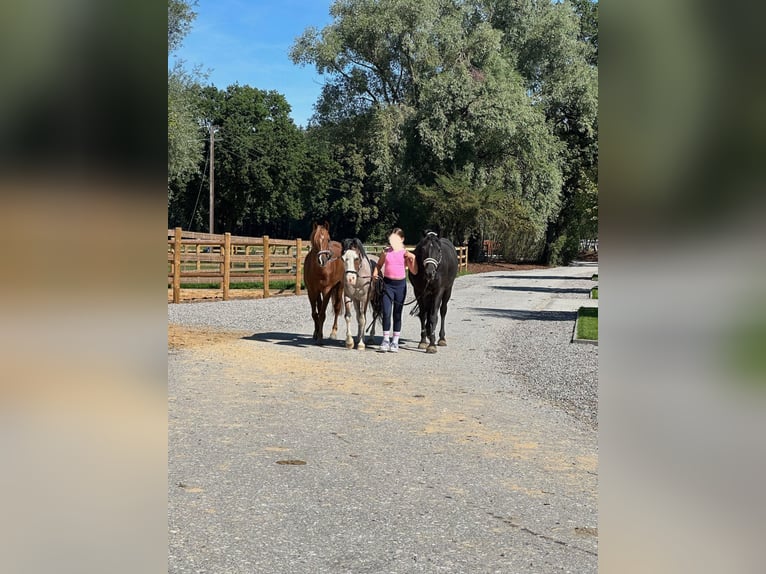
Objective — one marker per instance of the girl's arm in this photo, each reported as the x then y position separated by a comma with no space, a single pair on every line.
379,266
411,261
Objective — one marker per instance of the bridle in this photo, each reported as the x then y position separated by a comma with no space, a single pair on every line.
321,252
363,284
329,254
431,260
358,260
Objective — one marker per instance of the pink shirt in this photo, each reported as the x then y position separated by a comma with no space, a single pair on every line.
393,268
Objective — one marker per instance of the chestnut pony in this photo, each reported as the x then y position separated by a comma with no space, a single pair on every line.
323,275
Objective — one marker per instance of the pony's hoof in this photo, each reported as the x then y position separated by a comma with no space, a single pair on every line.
422,345
349,344
431,349
361,346
442,342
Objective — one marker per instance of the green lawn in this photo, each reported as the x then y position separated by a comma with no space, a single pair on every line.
594,293
273,285
587,324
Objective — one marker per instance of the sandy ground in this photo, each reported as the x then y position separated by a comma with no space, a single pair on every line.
289,457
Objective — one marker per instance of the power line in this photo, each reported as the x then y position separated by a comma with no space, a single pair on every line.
201,181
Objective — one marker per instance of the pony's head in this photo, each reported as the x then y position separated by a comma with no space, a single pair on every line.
431,252
353,257
320,242
351,263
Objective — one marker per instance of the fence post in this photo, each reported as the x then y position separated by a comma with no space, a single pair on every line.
177,266
466,257
197,252
298,263
226,264
266,266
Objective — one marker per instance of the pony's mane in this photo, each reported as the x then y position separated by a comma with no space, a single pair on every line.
357,244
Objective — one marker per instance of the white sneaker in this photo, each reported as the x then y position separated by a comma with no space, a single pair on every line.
394,348
384,346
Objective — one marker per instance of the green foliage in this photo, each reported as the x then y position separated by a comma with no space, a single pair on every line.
259,156
475,118
450,113
185,138
180,17
563,250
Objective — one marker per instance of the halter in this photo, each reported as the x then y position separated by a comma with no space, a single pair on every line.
329,253
428,260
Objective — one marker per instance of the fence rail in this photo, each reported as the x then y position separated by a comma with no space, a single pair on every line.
195,257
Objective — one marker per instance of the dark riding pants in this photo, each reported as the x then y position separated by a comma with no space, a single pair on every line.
394,292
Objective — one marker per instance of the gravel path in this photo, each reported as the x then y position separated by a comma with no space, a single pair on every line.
480,458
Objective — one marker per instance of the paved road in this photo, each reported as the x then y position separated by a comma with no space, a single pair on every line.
413,463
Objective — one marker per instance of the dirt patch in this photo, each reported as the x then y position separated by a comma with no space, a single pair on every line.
187,337
501,266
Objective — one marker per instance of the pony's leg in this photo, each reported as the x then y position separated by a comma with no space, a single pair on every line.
337,303
361,319
433,320
349,338
322,316
442,341
422,314
315,301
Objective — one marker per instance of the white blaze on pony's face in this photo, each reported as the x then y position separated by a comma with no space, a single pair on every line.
350,259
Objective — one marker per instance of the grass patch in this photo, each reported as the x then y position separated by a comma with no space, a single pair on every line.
594,277
594,293
744,348
273,285
587,323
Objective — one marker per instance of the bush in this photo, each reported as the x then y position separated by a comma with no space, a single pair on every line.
563,250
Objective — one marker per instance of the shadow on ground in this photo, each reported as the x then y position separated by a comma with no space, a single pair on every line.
293,340
301,340
547,277
540,289
526,315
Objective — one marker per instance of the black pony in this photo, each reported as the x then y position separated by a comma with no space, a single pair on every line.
437,269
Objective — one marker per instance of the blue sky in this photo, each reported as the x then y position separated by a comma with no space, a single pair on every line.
248,41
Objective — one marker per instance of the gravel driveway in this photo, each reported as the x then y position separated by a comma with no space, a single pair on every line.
288,457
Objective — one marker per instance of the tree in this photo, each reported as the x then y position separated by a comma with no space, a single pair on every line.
184,137
181,14
258,157
438,96
555,48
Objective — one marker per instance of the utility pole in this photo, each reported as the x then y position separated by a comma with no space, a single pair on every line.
212,169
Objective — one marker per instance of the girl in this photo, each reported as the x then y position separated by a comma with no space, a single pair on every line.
393,261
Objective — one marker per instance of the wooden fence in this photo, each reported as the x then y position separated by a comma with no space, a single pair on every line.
195,258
